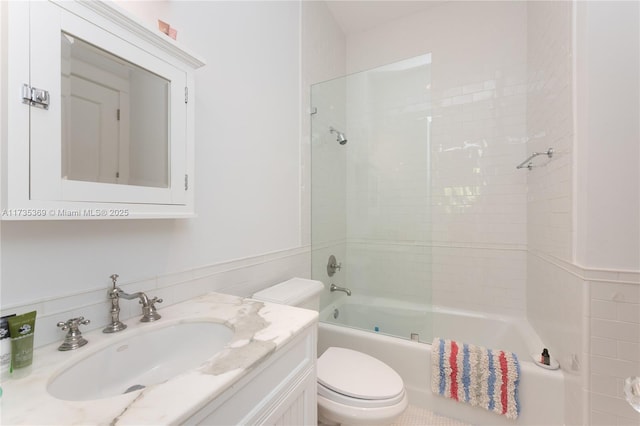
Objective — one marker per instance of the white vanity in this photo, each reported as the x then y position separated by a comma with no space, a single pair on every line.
265,374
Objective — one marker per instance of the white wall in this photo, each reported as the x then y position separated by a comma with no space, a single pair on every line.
247,178
608,199
554,288
478,88
609,130
583,289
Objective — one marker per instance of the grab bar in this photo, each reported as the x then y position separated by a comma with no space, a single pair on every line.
548,153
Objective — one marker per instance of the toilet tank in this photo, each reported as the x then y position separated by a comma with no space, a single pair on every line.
298,292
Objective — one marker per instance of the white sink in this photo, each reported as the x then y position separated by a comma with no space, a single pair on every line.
141,360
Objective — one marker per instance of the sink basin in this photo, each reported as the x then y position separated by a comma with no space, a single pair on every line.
141,360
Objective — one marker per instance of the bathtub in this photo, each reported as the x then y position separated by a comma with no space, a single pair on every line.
352,322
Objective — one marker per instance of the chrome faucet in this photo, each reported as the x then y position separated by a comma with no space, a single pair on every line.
149,312
336,288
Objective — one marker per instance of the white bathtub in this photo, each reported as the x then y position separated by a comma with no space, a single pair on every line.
541,391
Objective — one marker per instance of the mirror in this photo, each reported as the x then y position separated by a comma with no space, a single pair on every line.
115,118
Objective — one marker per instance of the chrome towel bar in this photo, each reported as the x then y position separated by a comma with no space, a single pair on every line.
528,164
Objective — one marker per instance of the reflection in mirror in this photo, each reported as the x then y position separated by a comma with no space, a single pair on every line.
115,118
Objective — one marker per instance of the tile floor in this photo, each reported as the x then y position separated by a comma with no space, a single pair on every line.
416,416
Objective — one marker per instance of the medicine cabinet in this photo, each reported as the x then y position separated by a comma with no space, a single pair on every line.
98,116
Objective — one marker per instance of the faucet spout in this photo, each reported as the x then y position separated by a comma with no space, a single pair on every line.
131,296
149,312
336,288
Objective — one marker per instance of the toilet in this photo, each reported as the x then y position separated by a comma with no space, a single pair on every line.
353,388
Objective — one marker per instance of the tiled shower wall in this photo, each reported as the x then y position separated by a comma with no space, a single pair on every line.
550,125
388,220
588,313
477,225
555,306
614,346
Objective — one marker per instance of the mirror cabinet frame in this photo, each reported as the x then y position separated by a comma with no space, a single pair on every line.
33,187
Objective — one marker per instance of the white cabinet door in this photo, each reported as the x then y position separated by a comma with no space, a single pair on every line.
92,165
56,167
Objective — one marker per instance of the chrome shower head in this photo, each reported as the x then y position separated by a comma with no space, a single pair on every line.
340,136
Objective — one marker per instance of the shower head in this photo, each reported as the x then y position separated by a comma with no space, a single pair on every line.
340,136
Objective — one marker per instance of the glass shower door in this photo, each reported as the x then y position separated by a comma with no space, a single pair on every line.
370,198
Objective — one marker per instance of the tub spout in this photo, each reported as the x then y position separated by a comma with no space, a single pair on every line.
336,288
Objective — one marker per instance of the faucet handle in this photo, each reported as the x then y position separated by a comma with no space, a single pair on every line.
73,324
73,339
149,312
333,266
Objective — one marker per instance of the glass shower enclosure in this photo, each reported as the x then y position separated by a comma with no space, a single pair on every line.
370,198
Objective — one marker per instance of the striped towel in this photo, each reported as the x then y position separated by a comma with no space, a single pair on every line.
478,376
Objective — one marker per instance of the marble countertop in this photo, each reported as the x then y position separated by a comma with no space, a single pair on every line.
259,328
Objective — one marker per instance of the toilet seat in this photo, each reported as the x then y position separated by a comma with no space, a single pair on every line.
357,402
356,379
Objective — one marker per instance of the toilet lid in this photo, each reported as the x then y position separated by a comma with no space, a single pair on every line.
358,375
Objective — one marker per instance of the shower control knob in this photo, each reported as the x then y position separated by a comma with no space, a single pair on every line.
333,266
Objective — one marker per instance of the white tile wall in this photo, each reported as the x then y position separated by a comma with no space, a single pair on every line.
320,258
487,279
550,125
556,291
593,326
609,323
389,269
477,94
556,310
388,111
614,348
478,197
